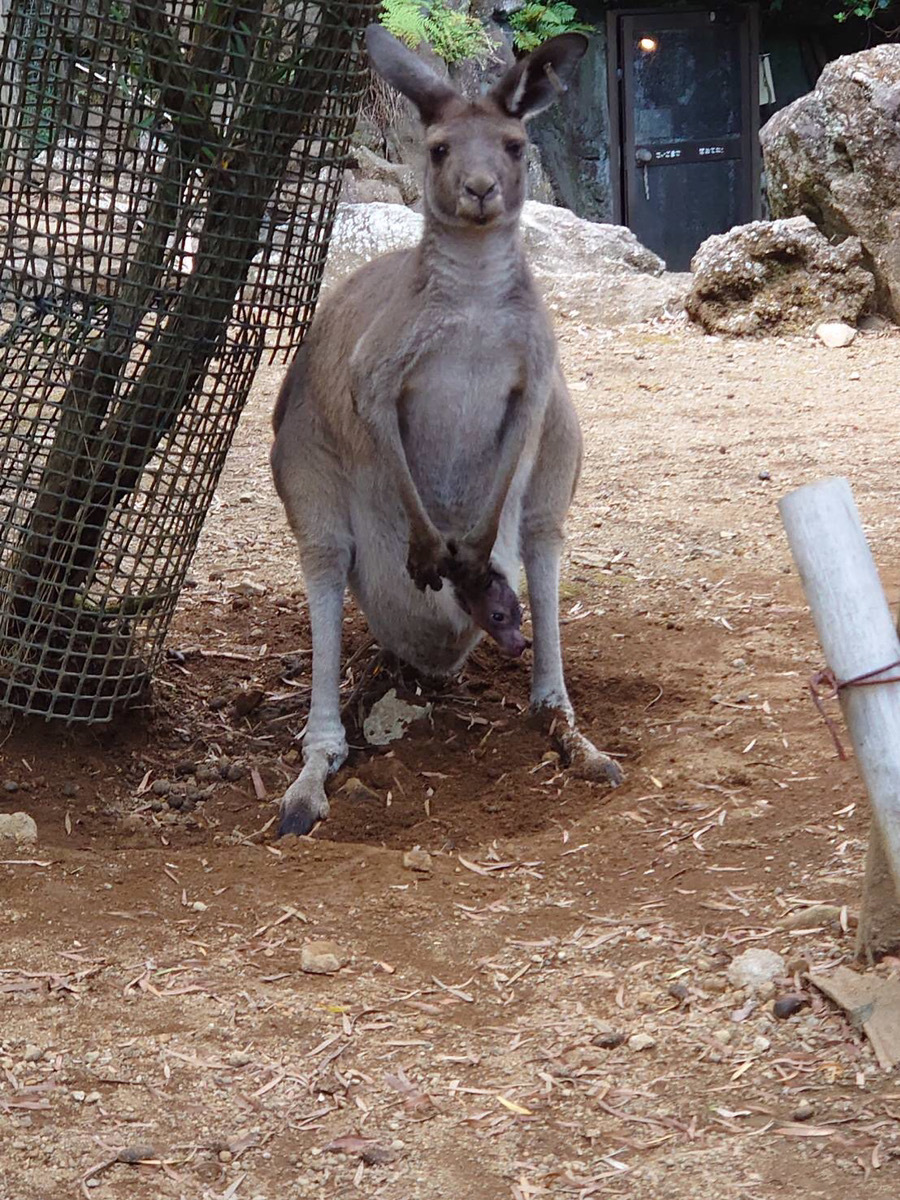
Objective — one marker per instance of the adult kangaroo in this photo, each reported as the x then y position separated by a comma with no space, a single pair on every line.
424,431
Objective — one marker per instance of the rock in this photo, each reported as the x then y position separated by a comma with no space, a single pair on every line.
10,787
69,790
813,917
641,1041
417,860
354,789
803,1112
322,958
242,705
19,827
608,1040
33,1053
136,1154
131,823
369,191
372,168
788,1006
161,787
779,275
599,269
389,718
755,967
247,587
835,334
834,156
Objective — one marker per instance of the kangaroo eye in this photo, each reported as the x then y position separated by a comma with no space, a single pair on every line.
498,617
515,150
439,153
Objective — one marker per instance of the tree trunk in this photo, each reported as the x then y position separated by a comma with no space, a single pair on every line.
98,455
879,919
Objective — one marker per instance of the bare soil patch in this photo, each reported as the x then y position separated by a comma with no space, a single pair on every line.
477,1044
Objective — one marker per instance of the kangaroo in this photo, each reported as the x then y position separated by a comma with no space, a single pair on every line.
424,431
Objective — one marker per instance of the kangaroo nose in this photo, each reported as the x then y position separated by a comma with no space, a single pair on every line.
482,187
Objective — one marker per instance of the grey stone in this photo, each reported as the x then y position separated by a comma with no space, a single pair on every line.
369,191
780,275
600,271
390,717
641,1041
755,967
18,826
835,334
322,958
834,156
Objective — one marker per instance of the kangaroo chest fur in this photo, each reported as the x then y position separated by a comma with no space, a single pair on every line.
455,406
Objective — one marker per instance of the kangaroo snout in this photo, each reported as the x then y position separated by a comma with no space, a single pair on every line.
481,197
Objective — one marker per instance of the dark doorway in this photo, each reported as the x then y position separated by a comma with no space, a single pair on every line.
685,101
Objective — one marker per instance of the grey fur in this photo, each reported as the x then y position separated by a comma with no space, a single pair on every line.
424,430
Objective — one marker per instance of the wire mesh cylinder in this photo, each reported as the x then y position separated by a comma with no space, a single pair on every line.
169,171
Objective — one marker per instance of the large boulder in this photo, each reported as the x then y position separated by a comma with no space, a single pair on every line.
601,272
781,275
834,156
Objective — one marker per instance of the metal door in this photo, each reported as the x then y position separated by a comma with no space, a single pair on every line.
688,113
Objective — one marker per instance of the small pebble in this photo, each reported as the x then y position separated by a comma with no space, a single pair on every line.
723,1036
608,1041
10,786
765,476
755,967
803,1112
641,1041
136,1154
761,1044
247,587
19,827
33,1053
417,860
69,790
225,1156
322,958
245,702
161,787
788,1006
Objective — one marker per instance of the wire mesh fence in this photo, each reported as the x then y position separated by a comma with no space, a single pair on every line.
169,172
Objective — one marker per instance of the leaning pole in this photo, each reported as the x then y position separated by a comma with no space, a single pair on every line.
862,652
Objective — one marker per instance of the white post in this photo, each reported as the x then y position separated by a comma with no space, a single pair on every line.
858,635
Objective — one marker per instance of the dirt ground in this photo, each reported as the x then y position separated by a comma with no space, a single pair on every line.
158,1035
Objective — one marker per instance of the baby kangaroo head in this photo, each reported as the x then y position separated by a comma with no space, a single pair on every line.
495,608
475,175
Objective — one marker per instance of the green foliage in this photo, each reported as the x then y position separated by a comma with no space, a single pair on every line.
452,35
537,22
867,9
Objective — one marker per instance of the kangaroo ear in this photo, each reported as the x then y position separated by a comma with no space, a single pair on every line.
537,80
405,71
